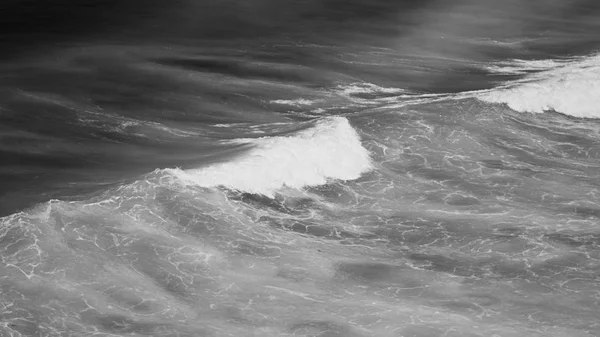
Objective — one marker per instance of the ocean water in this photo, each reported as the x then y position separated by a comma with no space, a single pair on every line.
300,168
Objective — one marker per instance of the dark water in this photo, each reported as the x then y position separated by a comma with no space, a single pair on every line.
300,168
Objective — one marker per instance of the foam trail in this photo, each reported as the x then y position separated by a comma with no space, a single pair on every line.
330,150
367,88
518,67
570,88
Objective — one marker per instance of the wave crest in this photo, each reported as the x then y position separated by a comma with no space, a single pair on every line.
330,150
571,88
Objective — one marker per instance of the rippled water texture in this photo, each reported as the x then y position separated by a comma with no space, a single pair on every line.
325,169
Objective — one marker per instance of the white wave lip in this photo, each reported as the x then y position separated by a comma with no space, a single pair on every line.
330,150
570,88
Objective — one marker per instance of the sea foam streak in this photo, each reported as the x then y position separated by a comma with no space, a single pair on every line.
330,150
571,88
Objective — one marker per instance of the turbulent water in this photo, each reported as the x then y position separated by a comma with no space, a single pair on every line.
300,168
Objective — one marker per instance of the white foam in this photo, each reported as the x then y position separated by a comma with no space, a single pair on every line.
366,88
571,88
330,150
293,102
524,66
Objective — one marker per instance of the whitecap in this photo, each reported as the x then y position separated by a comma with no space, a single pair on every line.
331,150
571,88
366,88
293,102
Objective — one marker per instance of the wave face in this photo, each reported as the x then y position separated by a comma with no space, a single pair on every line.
571,88
330,150
465,210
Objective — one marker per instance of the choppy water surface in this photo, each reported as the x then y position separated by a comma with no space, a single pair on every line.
410,170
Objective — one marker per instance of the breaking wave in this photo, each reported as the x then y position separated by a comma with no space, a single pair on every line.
331,149
571,88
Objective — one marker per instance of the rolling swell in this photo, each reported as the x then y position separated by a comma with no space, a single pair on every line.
162,256
151,248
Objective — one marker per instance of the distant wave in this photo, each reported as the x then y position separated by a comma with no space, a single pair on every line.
369,93
330,150
293,102
525,66
571,88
